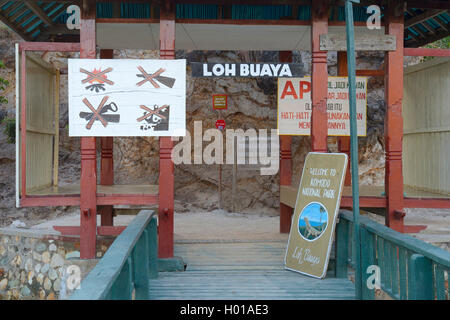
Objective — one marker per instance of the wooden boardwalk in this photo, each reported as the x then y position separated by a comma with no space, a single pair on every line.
242,270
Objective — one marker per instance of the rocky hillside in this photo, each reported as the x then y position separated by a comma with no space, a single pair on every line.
251,104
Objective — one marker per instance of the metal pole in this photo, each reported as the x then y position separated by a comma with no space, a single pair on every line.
351,62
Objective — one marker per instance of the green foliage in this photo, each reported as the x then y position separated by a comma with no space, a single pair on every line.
10,129
3,84
443,43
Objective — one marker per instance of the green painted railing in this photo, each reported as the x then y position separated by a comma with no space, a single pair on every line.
408,267
124,271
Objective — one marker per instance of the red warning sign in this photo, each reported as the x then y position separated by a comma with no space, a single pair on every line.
220,124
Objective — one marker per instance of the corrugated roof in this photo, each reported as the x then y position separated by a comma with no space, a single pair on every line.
421,26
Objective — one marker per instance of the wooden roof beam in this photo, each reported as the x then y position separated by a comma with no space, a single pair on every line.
422,17
441,23
37,10
15,28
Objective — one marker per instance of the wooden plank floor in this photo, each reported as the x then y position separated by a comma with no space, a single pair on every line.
242,270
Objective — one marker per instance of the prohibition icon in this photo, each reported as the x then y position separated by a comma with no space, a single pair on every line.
98,114
152,112
98,76
167,81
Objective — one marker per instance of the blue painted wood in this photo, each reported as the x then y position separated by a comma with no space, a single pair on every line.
367,259
440,283
406,263
112,277
342,237
402,256
152,234
420,278
140,267
351,63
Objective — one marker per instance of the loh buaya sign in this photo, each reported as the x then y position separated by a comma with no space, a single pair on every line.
246,70
127,97
294,106
315,213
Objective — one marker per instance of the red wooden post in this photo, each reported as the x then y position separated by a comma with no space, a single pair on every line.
106,163
285,164
319,76
344,142
88,183
393,121
166,167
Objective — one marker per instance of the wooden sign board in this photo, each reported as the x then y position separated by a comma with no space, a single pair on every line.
294,106
315,213
220,102
124,97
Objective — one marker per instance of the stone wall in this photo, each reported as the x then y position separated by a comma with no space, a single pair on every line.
34,266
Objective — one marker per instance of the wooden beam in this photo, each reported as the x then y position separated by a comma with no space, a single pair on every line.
88,180
426,52
15,28
319,77
366,42
166,165
394,120
433,38
421,17
428,4
37,10
441,23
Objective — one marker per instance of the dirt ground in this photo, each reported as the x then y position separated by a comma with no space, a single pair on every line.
221,225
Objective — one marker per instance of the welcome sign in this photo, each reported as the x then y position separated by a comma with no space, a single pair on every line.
316,209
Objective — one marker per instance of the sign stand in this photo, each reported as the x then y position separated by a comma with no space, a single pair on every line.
315,213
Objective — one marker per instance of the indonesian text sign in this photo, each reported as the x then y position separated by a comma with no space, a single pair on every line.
220,102
294,106
316,209
124,97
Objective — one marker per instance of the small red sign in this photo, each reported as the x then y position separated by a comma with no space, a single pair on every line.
220,102
220,124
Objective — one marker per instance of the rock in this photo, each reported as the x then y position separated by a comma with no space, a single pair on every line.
37,256
46,257
47,284
3,284
29,264
40,247
51,296
40,278
52,247
37,268
18,224
45,268
42,294
57,261
52,274
16,261
2,250
23,276
30,277
73,255
25,291
57,285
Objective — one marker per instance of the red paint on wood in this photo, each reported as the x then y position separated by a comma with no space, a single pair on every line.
364,202
166,166
23,127
414,228
319,77
285,164
49,201
437,203
426,52
101,231
88,181
394,122
130,199
49,46
106,161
